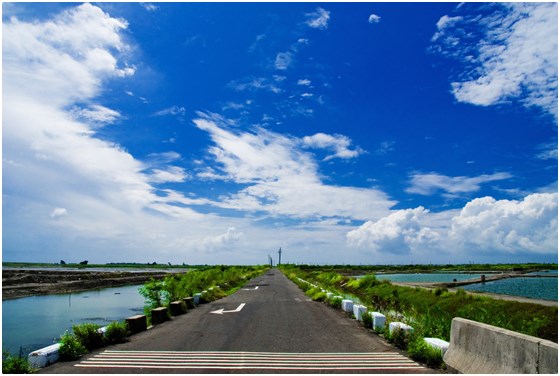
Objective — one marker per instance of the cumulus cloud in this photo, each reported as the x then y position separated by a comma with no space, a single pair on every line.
431,183
397,233
318,19
508,54
484,226
374,18
339,144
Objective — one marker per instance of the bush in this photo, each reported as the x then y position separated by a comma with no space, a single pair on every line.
367,320
15,364
420,351
88,335
70,347
116,332
399,338
335,302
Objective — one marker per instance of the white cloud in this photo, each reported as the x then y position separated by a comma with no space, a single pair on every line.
428,184
149,7
487,225
338,143
283,179
96,114
58,213
548,151
283,60
173,110
304,82
374,18
255,83
484,226
318,19
171,174
397,233
230,236
509,54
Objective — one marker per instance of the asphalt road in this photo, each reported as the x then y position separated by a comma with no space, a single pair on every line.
271,327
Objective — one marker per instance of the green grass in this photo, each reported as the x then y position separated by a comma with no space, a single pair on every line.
433,310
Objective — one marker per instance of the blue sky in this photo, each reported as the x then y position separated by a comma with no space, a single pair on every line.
364,133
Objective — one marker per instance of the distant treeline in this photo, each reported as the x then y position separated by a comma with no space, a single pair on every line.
427,268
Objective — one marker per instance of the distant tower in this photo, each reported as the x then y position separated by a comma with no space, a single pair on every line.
280,256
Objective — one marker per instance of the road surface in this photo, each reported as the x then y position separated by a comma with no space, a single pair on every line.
269,326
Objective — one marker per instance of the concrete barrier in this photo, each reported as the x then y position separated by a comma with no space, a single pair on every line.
159,315
347,305
378,320
401,326
189,301
44,357
196,298
137,324
177,308
482,348
359,310
438,344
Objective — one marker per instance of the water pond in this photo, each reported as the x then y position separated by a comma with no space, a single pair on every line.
427,277
535,288
37,321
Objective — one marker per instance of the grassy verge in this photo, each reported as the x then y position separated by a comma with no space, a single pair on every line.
159,293
429,312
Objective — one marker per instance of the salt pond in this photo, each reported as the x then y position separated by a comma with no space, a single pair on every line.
427,277
535,288
36,321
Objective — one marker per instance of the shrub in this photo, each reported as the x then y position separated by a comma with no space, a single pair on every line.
88,335
15,364
116,332
420,351
399,338
335,302
70,347
367,320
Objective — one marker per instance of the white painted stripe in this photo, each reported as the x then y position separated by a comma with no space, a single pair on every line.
244,367
248,360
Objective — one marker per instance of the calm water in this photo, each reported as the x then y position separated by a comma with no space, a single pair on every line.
427,277
37,321
536,288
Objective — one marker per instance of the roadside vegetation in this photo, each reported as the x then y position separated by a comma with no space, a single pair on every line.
217,281
88,336
15,364
429,312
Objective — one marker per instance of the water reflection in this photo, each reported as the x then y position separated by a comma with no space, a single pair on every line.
37,321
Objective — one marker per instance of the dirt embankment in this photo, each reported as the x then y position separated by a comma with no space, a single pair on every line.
20,283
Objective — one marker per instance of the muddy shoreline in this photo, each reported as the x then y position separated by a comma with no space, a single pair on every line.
18,283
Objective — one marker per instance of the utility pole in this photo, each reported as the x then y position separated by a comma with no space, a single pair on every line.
280,256
270,260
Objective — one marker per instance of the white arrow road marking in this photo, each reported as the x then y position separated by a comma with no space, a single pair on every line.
221,310
256,288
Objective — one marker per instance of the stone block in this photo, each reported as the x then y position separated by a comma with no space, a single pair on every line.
359,311
379,320
347,305
438,344
196,298
44,357
159,315
400,326
329,295
177,308
189,301
137,324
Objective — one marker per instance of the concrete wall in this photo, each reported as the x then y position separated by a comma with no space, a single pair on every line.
482,348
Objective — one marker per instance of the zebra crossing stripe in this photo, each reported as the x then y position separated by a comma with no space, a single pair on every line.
249,360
